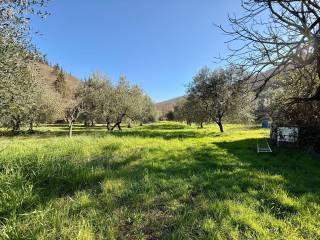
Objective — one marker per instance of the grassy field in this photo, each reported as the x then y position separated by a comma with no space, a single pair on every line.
161,181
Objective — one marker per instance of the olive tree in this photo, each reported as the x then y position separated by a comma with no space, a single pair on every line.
95,94
113,104
147,112
25,101
127,102
47,107
220,95
191,111
141,108
17,97
72,112
15,47
18,89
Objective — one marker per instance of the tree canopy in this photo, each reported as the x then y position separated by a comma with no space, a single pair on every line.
274,35
216,95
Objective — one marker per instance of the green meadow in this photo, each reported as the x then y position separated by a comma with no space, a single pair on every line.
159,181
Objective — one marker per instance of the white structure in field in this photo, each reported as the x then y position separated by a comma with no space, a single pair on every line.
287,134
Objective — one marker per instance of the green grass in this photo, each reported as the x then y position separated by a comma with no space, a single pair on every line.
161,181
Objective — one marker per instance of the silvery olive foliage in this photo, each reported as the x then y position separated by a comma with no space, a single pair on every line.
217,95
112,104
19,91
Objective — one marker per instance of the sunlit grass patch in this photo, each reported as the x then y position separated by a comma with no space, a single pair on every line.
111,186
160,181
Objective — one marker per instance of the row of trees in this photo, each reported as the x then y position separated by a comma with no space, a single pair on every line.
25,99
214,96
277,45
101,101
218,95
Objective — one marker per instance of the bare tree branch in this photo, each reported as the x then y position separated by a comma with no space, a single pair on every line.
275,35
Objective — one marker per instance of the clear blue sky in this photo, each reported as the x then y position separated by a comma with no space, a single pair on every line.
157,44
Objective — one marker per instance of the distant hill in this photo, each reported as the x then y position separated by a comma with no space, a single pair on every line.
168,105
48,76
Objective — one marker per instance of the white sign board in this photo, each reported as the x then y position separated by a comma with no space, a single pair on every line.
287,134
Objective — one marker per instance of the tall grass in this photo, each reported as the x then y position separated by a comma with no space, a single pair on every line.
161,181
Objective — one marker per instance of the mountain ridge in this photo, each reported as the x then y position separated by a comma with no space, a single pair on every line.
168,105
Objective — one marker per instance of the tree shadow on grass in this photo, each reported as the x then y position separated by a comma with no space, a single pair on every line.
207,174
228,174
56,131
167,135
164,131
165,126
236,174
300,170
175,182
142,133
53,178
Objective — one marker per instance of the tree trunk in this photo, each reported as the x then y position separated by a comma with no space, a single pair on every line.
31,126
201,125
70,129
317,94
108,126
220,126
16,125
317,47
92,123
129,124
117,125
